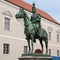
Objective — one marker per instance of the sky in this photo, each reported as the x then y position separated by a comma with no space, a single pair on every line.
52,7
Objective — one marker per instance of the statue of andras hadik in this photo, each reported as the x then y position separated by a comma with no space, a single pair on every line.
36,20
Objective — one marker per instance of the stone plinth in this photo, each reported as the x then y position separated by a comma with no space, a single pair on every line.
35,57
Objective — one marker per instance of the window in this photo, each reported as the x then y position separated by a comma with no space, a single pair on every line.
57,52
49,35
6,48
25,49
49,51
57,37
7,24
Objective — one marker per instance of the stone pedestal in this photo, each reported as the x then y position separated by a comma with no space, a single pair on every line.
35,57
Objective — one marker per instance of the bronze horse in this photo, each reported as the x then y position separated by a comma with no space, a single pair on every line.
30,32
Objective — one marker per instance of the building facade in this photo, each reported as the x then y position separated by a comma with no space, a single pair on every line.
12,37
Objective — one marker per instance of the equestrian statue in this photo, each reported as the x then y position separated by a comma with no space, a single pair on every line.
33,29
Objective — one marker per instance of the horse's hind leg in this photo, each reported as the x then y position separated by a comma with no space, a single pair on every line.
46,43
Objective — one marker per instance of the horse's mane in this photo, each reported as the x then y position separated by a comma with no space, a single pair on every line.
27,16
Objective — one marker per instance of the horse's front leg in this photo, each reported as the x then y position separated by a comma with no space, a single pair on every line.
46,47
32,40
28,40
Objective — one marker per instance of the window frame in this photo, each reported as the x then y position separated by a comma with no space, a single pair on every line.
49,35
49,51
6,48
6,23
57,52
57,37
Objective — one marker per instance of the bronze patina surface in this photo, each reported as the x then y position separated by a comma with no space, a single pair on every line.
33,29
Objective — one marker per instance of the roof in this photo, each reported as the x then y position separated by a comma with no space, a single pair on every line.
28,7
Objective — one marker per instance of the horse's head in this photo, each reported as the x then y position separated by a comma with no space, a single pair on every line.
20,14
